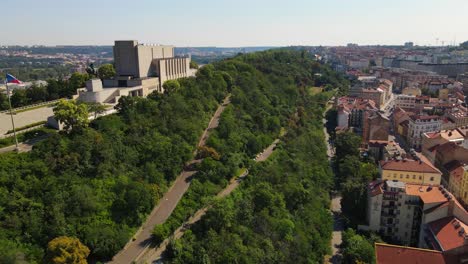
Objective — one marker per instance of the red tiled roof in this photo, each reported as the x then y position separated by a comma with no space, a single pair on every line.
428,194
375,188
391,254
420,117
448,232
409,165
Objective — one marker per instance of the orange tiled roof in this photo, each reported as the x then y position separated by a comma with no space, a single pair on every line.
391,254
428,194
422,166
448,232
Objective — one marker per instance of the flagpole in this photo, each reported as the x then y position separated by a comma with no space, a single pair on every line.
11,115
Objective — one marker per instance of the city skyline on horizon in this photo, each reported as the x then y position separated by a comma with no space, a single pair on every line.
210,23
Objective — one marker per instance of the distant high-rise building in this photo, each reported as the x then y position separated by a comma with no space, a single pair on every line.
409,44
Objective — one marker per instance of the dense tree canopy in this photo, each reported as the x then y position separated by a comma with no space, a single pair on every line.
280,214
356,248
66,250
106,71
99,183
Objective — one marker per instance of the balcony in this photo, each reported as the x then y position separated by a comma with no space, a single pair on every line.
386,214
390,197
412,202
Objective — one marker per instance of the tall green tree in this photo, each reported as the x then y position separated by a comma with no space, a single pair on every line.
171,86
106,71
356,248
72,114
67,250
19,98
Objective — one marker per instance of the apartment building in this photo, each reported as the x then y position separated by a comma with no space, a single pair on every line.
432,140
407,102
413,214
458,180
420,124
351,111
385,150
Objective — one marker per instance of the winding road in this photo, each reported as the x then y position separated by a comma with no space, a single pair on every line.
142,239
155,254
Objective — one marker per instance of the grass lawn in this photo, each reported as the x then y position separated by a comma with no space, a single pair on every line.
315,90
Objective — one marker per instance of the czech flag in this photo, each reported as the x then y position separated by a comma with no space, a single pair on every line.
12,79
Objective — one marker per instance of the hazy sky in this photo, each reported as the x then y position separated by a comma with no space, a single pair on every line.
233,23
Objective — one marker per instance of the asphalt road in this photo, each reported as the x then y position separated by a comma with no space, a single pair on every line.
338,225
142,239
338,228
24,118
154,255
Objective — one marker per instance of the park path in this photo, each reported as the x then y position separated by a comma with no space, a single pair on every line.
153,255
142,239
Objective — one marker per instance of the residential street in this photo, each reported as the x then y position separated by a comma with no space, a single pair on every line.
338,226
166,205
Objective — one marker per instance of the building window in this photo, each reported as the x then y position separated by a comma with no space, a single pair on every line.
432,178
407,176
420,177
414,177
401,176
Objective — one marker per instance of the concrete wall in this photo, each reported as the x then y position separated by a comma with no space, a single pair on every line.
125,58
146,55
133,59
343,119
374,210
100,96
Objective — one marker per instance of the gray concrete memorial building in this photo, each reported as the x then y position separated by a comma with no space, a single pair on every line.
140,70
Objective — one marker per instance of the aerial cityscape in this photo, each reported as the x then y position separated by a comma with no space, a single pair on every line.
234,132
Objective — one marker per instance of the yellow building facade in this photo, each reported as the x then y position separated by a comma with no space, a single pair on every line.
410,171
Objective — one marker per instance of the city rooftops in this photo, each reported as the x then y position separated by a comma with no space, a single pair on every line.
450,232
390,254
424,117
449,135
